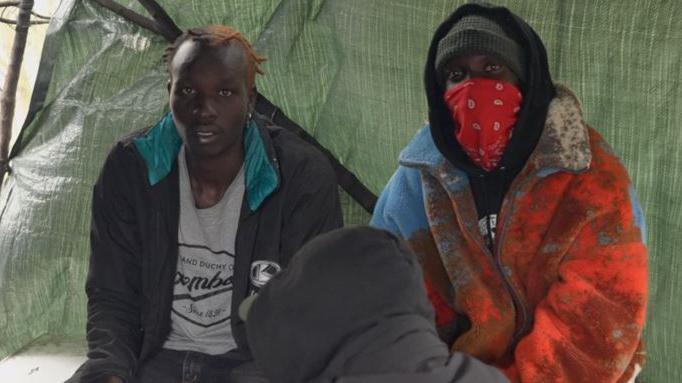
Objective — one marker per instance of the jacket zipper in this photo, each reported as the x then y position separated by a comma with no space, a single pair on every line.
521,308
525,322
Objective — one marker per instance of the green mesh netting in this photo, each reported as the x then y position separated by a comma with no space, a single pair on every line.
350,72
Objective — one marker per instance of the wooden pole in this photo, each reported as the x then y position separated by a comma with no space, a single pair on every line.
9,89
166,25
130,15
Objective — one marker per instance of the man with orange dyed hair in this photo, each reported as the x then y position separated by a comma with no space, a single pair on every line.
193,215
525,221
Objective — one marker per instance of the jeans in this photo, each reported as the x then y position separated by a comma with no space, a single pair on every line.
171,366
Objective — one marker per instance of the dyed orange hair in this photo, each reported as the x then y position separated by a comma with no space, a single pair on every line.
217,36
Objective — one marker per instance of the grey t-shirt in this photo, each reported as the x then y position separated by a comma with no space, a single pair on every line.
202,296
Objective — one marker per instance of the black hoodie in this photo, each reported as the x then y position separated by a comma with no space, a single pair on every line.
489,188
352,308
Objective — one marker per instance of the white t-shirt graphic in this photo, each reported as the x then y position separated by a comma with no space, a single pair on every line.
202,295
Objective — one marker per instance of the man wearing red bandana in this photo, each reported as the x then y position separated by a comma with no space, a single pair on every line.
526,223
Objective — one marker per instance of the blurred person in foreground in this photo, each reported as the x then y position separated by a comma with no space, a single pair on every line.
352,308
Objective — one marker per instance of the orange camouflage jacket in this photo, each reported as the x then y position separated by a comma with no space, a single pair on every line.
562,297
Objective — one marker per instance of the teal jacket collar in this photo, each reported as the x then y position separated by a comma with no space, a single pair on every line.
159,148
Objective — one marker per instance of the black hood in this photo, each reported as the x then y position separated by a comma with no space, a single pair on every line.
538,90
345,297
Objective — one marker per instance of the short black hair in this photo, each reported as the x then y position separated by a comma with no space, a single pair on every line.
214,36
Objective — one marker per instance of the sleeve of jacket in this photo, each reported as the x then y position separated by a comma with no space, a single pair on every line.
113,282
313,205
400,207
400,210
589,326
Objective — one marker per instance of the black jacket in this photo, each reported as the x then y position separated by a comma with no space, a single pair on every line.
352,308
135,213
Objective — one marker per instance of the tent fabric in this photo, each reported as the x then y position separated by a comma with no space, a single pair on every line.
350,73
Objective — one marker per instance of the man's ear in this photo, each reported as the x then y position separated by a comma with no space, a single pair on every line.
168,86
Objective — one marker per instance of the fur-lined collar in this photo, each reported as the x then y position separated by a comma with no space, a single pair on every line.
565,142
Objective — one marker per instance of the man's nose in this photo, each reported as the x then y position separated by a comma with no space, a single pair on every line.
204,109
472,73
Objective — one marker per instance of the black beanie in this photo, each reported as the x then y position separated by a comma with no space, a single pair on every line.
476,34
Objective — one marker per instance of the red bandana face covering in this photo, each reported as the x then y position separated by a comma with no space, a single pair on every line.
484,112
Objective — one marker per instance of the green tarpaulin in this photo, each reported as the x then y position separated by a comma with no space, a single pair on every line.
350,73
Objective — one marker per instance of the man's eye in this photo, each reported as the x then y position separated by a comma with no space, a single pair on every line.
186,90
493,68
225,93
455,75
